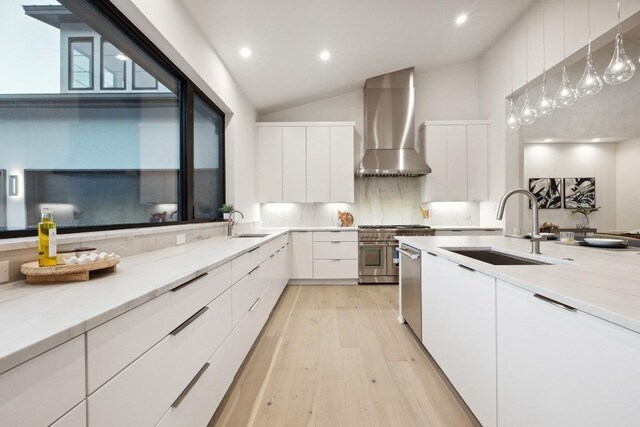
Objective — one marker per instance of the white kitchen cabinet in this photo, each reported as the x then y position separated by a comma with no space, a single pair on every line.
458,330
294,153
342,167
77,417
270,164
301,255
558,367
306,162
318,164
457,153
41,390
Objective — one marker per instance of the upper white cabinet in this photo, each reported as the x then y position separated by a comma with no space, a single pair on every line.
305,162
457,154
562,367
270,164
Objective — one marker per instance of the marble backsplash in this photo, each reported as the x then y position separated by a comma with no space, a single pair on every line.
377,201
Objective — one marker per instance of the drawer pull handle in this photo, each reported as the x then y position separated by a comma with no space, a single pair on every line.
190,320
466,268
271,256
193,382
254,270
554,302
335,242
254,249
188,282
254,304
432,254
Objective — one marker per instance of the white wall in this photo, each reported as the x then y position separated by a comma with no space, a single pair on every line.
505,158
628,177
574,161
170,26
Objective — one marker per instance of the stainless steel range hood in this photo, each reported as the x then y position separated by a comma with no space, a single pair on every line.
389,127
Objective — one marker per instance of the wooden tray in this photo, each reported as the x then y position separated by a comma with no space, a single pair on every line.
65,273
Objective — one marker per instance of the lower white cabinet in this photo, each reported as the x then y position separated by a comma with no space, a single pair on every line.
43,389
141,394
77,417
558,367
302,255
458,329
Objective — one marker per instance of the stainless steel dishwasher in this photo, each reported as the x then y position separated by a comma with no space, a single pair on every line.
411,280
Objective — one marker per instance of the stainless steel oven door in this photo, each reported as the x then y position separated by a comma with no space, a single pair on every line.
372,259
393,260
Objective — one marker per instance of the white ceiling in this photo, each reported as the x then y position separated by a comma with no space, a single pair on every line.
365,37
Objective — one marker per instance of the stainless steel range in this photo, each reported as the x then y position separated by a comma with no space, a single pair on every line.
378,251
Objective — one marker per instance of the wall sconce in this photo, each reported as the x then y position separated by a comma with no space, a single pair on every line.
13,185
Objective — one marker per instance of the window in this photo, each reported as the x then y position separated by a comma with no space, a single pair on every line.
101,156
114,67
143,80
81,63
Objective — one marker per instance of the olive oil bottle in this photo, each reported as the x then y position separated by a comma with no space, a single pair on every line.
47,246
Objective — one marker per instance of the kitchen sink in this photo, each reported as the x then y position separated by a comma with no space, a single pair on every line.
494,257
249,236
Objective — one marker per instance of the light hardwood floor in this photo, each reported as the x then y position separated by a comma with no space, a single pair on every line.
337,356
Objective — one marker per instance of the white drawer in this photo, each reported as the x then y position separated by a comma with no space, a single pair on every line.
335,236
335,250
77,417
242,265
115,344
41,390
143,392
338,269
245,293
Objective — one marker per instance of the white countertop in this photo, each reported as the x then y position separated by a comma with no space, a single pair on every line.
464,227
36,318
601,282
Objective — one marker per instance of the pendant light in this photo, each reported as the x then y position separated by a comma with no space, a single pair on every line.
620,69
566,95
512,119
590,84
528,113
544,106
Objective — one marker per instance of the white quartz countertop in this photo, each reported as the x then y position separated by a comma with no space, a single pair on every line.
602,282
36,318
312,228
464,227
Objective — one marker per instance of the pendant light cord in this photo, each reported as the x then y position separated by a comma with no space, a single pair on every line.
618,16
526,41
564,30
589,21
544,50
511,55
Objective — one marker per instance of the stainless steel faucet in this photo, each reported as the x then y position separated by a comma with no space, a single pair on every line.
231,222
535,237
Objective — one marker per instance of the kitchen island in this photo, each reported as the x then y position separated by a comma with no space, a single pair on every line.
556,343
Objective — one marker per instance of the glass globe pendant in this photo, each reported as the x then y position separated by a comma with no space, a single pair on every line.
590,84
620,69
528,113
566,95
512,120
545,105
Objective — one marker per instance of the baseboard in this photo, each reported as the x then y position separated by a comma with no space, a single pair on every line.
323,282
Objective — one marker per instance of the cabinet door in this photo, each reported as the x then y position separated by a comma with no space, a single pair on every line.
560,368
435,184
456,163
458,329
294,165
270,164
302,255
318,164
477,163
342,168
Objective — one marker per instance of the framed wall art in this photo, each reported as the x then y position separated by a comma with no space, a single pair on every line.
547,192
579,192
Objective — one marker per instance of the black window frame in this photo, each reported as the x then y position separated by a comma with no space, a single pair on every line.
124,68
133,79
70,63
187,89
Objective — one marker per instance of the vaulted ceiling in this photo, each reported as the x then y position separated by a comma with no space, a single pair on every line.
365,38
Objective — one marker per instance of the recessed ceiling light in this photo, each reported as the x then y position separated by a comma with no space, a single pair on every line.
461,19
121,57
245,52
548,140
325,55
596,140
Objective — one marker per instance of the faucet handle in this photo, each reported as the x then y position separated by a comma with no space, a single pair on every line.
538,238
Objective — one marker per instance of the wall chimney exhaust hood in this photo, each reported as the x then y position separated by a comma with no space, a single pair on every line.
389,127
